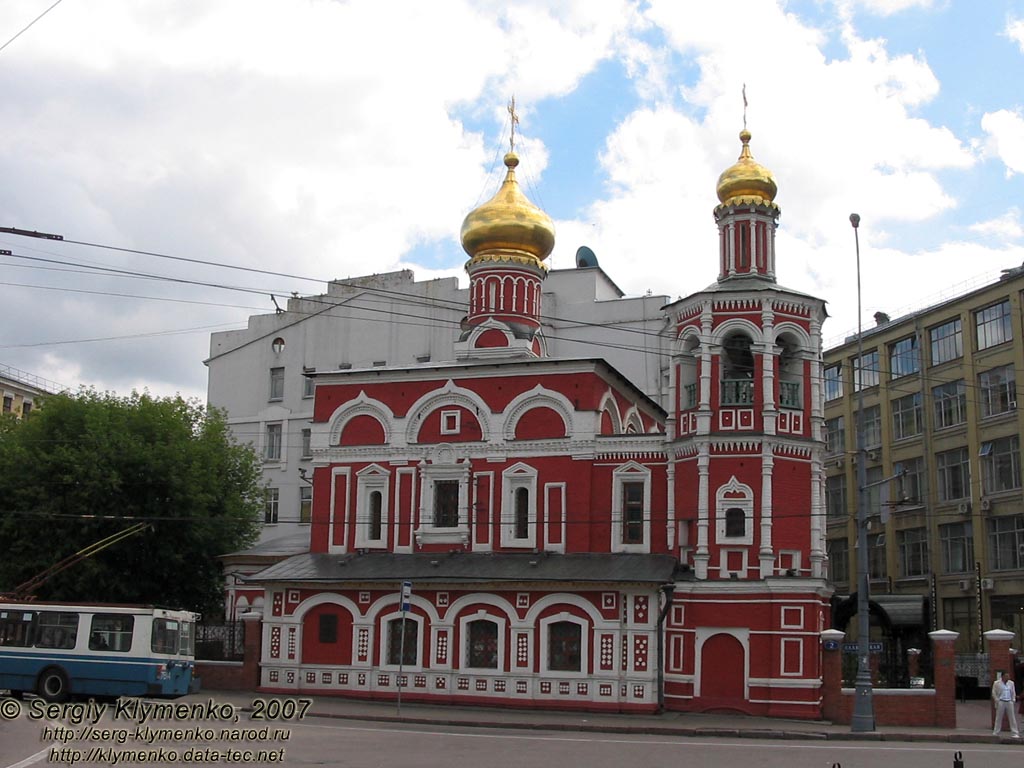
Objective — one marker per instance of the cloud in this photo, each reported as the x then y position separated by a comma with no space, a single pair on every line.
1005,138
1005,227
1015,31
890,7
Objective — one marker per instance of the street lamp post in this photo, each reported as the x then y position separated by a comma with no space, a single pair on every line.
863,704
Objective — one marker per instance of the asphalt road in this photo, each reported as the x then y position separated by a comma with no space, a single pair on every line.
325,741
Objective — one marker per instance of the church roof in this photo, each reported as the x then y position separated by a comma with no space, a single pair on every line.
472,567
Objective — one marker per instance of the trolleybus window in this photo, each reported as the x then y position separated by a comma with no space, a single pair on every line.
14,627
111,632
187,639
56,629
165,636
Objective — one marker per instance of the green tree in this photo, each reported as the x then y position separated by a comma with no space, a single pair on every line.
88,465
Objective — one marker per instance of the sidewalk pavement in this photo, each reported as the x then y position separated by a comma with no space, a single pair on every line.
973,721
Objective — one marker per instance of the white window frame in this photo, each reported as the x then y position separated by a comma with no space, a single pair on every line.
427,533
734,494
382,645
584,646
370,479
630,472
464,622
267,442
451,422
276,380
512,479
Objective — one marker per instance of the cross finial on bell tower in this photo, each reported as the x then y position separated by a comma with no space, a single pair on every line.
514,119
744,106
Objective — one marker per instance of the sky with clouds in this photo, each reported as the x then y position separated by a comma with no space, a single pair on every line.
321,139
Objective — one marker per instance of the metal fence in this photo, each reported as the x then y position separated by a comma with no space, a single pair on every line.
220,642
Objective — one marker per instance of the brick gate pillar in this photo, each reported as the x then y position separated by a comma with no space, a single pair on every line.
944,675
999,658
832,675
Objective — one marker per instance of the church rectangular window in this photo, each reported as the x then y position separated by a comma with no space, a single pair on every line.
565,646
632,513
735,522
328,628
372,507
446,503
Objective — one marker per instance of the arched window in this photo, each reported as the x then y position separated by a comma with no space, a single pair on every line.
522,513
565,646
735,522
737,370
482,644
399,652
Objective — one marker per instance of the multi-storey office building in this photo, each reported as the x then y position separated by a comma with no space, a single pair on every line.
21,390
942,449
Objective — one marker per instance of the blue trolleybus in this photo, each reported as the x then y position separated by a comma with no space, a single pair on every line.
61,650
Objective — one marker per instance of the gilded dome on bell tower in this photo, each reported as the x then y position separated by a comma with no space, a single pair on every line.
746,181
508,224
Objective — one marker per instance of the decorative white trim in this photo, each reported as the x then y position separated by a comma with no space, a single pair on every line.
789,641
630,472
382,621
740,496
585,641
369,479
426,532
448,395
610,405
544,540
463,650
361,406
539,396
519,476
337,472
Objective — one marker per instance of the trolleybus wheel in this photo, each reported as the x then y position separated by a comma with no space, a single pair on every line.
53,685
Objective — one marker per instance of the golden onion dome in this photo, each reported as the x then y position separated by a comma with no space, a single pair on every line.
508,222
746,180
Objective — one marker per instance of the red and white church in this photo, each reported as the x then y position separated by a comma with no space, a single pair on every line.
570,543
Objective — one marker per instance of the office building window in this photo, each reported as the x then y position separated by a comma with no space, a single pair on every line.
993,325
271,500
8,403
26,409
833,382
1000,464
872,426
947,342
954,474
913,552
272,447
950,403
276,384
869,376
307,443
305,504
957,542
876,555
904,357
838,560
835,497
911,481
906,416
308,385
1006,542
997,389
835,436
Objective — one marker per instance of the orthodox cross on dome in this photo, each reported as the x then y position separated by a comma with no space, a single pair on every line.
514,119
744,106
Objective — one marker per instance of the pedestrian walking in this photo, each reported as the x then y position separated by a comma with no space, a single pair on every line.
1004,694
